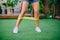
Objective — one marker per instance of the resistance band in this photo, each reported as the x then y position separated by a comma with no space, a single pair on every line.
29,18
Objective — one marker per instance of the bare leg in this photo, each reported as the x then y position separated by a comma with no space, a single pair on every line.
36,15
24,9
36,12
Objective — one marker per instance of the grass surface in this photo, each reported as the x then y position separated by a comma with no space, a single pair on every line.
50,30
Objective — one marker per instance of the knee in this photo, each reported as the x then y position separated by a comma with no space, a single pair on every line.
36,10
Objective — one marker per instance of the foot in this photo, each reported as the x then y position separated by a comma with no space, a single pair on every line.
15,30
38,29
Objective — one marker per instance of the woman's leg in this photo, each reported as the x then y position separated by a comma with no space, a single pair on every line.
36,15
24,9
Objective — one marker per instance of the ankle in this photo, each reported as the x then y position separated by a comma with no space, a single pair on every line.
37,26
16,27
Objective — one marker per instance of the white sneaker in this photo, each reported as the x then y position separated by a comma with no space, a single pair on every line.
15,30
38,29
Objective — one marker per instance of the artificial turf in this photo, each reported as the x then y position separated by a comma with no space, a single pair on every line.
50,30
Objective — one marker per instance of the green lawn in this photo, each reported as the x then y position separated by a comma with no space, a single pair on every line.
50,30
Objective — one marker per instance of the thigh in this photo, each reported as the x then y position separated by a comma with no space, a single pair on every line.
36,9
25,6
35,6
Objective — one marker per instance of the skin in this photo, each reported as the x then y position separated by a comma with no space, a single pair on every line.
24,9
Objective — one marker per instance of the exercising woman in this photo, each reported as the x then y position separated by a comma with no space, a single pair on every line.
35,5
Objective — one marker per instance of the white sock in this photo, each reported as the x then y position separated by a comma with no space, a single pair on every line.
38,29
15,30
